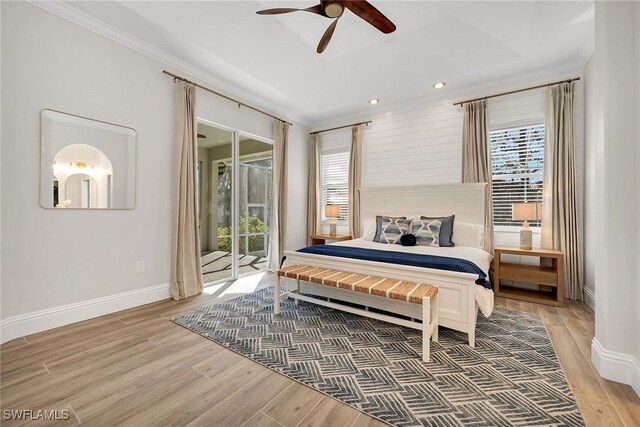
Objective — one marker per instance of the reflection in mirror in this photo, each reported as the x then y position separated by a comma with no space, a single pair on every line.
86,164
82,184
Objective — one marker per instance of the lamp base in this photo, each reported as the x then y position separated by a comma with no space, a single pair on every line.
526,239
332,228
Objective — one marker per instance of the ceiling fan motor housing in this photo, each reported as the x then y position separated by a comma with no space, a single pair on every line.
332,10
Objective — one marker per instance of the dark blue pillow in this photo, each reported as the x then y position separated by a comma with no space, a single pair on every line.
408,240
446,229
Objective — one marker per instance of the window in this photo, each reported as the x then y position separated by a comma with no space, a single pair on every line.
334,176
517,164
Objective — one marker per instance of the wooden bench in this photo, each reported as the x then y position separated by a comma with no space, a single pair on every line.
402,290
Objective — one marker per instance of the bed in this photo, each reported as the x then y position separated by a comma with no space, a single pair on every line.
460,295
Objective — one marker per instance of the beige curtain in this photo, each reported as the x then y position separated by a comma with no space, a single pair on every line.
314,201
186,270
355,181
560,228
279,214
476,158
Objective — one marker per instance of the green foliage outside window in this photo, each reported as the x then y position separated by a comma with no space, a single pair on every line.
252,226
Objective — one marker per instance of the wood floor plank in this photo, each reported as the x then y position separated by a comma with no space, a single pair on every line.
13,344
54,389
330,412
189,405
212,367
243,404
548,314
261,419
625,400
149,400
500,302
582,332
513,304
588,311
167,361
597,413
292,405
48,354
366,421
578,371
34,372
571,310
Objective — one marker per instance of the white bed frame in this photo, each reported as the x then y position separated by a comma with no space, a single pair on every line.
457,307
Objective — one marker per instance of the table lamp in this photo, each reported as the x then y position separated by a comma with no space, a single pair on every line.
332,212
526,212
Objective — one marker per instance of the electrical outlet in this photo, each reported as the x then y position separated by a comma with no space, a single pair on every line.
168,205
140,267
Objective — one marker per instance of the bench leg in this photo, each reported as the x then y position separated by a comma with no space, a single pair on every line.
297,291
426,326
435,318
276,294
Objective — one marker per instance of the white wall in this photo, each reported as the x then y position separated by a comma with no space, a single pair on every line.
615,136
590,241
48,261
424,145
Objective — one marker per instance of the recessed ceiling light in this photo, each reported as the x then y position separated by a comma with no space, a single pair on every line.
439,85
374,101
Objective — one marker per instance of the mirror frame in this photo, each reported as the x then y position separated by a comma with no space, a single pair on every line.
135,164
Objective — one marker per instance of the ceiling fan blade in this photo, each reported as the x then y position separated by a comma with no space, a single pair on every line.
369,13
326,37
317,9
201,136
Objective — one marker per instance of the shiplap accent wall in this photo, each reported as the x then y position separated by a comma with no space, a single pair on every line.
424,145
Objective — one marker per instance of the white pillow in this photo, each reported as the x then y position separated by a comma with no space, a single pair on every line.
369,228
468,235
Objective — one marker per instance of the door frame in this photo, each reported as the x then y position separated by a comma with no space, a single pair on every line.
235,195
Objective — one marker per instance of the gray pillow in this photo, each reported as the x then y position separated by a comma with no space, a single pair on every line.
446,230
427,231
389,229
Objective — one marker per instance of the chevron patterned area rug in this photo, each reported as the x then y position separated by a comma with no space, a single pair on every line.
511,378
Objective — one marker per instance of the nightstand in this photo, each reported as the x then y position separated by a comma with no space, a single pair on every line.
321,239
548,277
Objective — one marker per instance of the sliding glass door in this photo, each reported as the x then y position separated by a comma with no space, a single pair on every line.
234,187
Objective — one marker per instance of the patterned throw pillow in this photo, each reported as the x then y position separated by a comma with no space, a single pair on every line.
389,229
446,229
427,231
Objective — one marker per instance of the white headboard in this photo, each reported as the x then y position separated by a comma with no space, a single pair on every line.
465,201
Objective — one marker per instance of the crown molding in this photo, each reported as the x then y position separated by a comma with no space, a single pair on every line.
190,70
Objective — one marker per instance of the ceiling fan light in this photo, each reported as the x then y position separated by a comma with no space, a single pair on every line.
333,10
439,85
374,101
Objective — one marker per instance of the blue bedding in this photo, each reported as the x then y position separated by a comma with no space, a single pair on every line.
402,258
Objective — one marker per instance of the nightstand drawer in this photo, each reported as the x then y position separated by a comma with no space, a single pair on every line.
528,273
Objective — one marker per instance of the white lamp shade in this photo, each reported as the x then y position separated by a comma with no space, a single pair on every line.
526,211
332,211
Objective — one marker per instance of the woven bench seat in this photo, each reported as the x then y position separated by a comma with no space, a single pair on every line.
374,285
402,290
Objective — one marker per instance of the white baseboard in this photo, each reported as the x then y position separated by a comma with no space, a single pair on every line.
612,365
590,298
38,321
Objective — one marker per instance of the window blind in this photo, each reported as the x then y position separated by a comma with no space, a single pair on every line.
517,164
334,169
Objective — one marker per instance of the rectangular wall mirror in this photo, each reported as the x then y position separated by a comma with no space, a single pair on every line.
85,164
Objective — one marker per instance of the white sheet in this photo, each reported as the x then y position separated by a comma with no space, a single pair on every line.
482,259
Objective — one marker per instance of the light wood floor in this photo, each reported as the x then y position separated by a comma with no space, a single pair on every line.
136,367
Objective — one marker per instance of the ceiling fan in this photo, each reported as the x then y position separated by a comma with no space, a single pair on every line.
333,10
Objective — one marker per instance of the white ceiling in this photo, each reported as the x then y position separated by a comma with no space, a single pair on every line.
272,59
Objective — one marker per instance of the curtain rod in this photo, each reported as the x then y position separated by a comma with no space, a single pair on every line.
518,90
341,127
175,77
